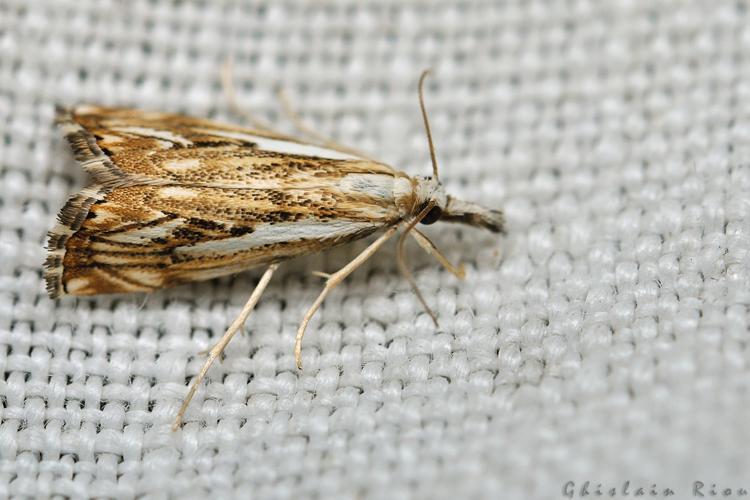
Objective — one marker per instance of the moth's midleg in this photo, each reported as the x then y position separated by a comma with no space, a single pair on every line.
332,282
219,347
429,247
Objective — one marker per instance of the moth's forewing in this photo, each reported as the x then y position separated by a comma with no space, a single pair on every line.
178,199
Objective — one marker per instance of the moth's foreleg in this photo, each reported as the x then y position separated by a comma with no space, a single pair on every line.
401,261
218,349
429,247
331,283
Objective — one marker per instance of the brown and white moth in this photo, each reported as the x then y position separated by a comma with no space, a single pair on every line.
177,199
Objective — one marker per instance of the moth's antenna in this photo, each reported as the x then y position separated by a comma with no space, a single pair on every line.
427,123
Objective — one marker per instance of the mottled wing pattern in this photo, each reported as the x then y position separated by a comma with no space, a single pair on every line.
177,199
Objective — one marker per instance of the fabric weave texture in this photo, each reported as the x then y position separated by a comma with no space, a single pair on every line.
603,339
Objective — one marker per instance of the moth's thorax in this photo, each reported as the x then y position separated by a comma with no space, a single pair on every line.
413,193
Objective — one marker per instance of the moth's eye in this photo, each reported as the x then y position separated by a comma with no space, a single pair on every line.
432,216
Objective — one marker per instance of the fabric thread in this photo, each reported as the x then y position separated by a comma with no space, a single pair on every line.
605,338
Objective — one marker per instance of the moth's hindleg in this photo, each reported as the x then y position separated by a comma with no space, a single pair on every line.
331,282
218,349
311,133
227,85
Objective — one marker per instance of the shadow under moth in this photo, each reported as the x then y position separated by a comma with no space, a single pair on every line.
176,199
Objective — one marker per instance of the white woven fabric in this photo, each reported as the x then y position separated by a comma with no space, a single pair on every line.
605,338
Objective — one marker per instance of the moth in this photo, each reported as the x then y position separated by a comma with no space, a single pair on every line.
175,199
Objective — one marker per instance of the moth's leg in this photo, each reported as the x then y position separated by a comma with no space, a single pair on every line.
144,301
429,247
401,261
331,282
227,85
218,349
311,133
401,258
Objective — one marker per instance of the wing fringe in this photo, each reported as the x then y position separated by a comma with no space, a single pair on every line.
86,150
69,220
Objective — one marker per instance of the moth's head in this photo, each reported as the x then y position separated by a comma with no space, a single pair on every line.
429,190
